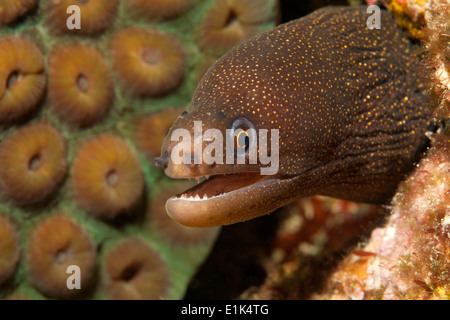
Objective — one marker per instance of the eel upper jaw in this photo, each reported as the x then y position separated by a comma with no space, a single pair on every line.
227,198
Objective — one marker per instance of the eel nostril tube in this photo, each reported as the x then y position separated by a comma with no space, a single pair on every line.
161,162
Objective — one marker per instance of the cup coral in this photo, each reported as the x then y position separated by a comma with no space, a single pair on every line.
160,9
32,163
148,62
53,246
22,79
134,270
107,177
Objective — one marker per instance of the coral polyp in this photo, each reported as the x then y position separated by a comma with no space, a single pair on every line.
410,15
9,249
152,128
80,86
32,163
53,246
229,22
107,177
11,10
160,9
22,78
148,62
95,15
135,271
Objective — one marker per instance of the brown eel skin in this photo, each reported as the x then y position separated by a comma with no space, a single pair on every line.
347,101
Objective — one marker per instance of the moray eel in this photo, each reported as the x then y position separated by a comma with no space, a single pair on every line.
347,102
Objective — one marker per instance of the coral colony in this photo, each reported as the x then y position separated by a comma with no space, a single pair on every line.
88,90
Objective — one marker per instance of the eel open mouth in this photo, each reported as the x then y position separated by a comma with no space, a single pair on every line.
219,185
224,199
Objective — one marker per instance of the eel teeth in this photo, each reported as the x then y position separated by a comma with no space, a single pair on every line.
197,197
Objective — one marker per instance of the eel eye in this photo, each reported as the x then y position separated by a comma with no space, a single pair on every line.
243,132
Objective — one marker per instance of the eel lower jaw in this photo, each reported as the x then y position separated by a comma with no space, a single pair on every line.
223,199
